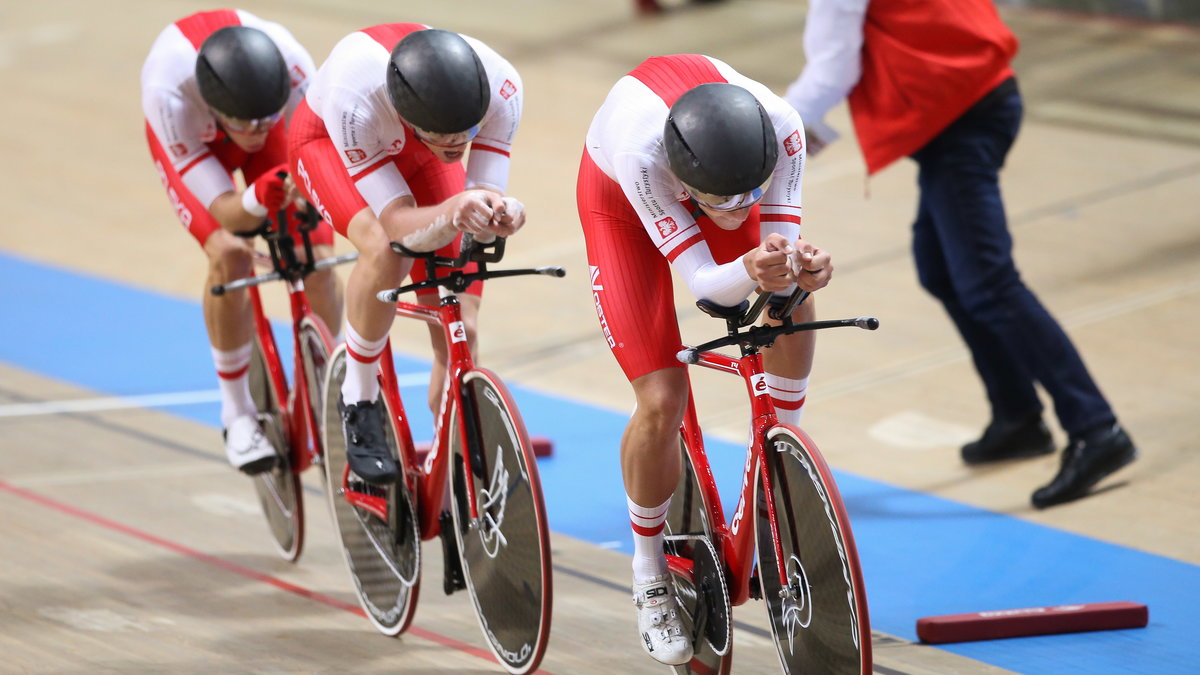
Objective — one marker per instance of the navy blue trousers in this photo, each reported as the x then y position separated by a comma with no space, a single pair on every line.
963,253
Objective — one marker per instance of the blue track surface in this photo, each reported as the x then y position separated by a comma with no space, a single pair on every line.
921,555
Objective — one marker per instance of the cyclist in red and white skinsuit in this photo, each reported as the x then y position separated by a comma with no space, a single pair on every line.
689,165
378,146
216,89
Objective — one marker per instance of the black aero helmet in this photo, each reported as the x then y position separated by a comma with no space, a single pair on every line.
437,82
241,73
719,140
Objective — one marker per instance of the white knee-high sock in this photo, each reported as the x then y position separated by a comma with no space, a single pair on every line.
647,523
361,383
233,367
788,395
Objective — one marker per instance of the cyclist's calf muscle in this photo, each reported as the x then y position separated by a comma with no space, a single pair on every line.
378,268
650,446
227,317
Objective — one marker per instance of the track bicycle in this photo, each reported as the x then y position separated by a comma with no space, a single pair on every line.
289,415
494,533
789,517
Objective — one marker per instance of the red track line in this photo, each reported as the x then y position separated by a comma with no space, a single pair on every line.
236,568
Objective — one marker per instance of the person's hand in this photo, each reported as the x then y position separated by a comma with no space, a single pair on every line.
509,218
815,143
770,264
269,192
818,136
811,266
473,210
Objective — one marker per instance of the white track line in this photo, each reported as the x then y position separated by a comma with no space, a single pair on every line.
143,401
124,474
109,403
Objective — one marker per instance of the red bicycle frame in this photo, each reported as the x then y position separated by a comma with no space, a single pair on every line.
429,481
298,415
735,538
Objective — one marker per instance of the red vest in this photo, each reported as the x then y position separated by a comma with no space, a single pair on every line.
924,62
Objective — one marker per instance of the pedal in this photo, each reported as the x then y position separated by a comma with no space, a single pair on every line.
452,572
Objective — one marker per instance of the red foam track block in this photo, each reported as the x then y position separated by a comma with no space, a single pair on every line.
542,447
1006,623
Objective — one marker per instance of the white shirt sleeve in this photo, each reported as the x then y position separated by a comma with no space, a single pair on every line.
207,180
382,187
726,285
488,162
833,39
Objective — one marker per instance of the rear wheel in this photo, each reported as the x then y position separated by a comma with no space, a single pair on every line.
505,551
818,610
279,490
382,546
689,536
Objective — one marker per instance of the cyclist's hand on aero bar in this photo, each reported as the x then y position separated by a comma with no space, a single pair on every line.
509,218
813,267
770,263
473,210
268,193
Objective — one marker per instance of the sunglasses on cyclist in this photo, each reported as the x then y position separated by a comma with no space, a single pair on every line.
255,126
728,203
447,140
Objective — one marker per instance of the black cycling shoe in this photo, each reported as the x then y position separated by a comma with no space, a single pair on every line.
366,449
1085,462
1010,440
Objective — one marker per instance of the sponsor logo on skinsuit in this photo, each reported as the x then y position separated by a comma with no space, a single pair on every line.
596,288
793,144
666,227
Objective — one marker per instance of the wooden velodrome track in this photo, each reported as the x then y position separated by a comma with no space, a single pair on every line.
1107,229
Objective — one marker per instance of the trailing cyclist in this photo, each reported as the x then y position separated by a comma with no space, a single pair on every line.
217,89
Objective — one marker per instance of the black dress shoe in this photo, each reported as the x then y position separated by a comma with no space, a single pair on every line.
1085,462
367,451
1010,440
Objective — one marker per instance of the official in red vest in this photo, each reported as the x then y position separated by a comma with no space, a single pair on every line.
931,80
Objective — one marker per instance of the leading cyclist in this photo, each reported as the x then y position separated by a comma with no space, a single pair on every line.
378,145
217,88
689,163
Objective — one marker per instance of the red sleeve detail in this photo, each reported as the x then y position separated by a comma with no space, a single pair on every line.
687,243
778,218
387,159
194,162
488,148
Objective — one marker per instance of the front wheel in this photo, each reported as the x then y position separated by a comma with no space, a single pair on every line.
376,525
818,608
505,549
279,489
